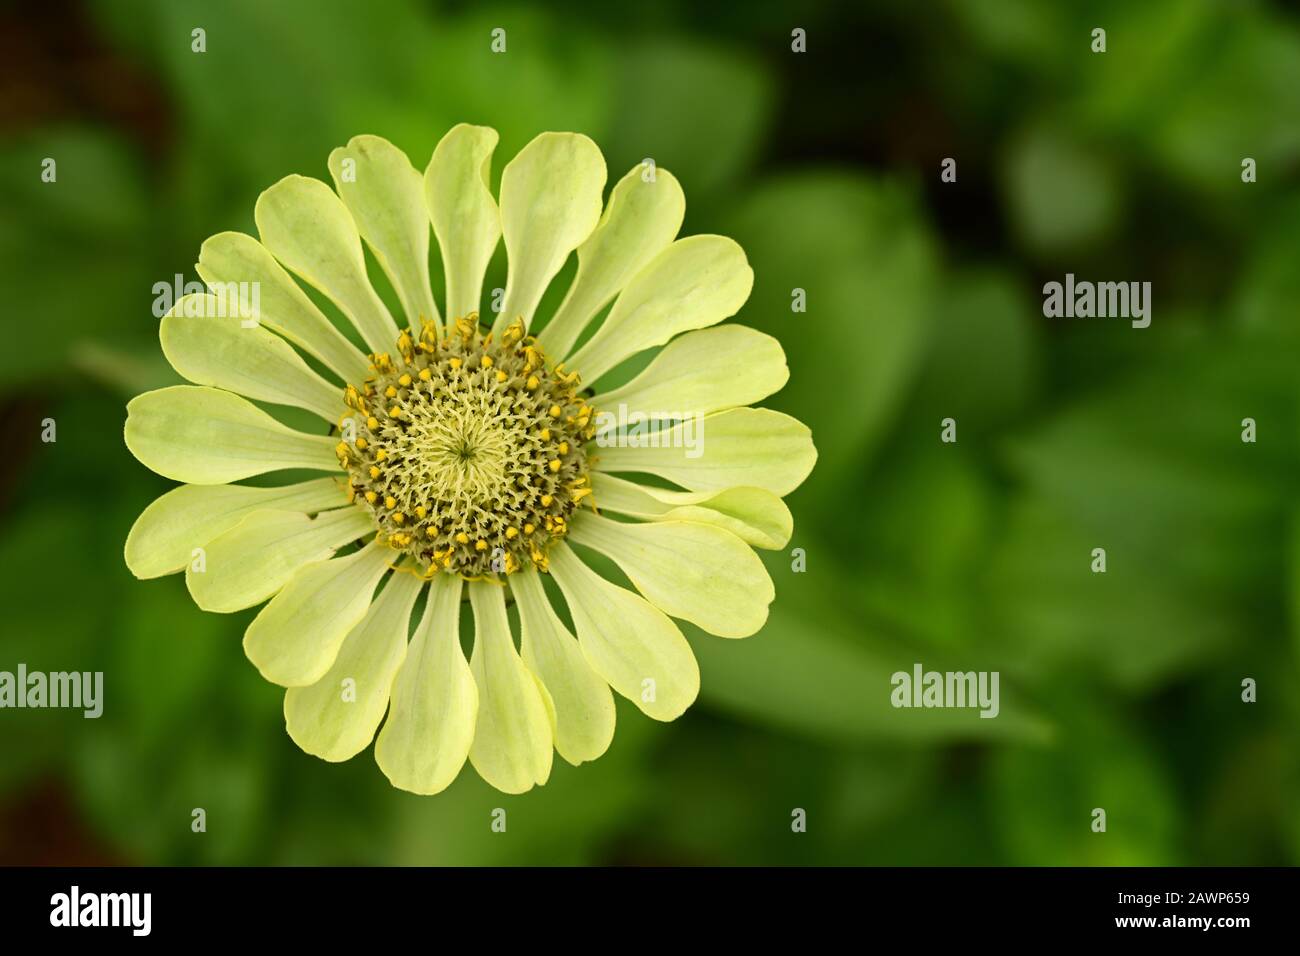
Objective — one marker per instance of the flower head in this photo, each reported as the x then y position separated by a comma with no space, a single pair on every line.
462,459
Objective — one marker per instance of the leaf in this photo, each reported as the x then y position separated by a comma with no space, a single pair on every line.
822,670
859,251
699,112
1047,795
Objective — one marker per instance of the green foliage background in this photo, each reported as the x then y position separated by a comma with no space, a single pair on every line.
1120,690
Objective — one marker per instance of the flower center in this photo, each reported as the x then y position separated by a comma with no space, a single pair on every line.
468,452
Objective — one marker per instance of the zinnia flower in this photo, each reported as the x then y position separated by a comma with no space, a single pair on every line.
467,460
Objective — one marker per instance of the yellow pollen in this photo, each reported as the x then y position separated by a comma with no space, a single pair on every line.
501,376
564,448
532,381
529,529
480,545
555,411
487,361
394,412
421,511
546,501
425,375
463,538
405,380
455,363
374,472
372,423
362,443
371,497
512,533
554,464
390,502
390,391
381,454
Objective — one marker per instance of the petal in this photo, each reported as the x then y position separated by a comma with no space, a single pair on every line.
629,642
696,572
253,560
512,742
205,436
550,202
702,372
757,517
750,447
385,196
309,229
231,258
641,218
583,719
464,214
431,718
164,537
334,719
696,282
296,637
210,348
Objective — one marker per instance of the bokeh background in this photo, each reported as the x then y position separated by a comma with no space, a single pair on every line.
1120,691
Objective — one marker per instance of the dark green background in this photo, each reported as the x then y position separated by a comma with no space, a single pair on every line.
1119,691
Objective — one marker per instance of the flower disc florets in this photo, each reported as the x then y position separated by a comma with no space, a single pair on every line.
468,451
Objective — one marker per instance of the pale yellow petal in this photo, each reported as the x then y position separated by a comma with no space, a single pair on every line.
698,373
307,227
294,640
694,283
384,193
164,537
757,517
430,726
583,713
642,217
336,717
741,447
512,741
628,641
697,572
211,345
253,560
550,202
464,214
205,436
234,262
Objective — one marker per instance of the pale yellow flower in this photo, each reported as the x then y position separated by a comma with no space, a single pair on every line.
464,462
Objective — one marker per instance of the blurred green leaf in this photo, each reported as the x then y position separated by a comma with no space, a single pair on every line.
1046,795
697,111
865,260
821,669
